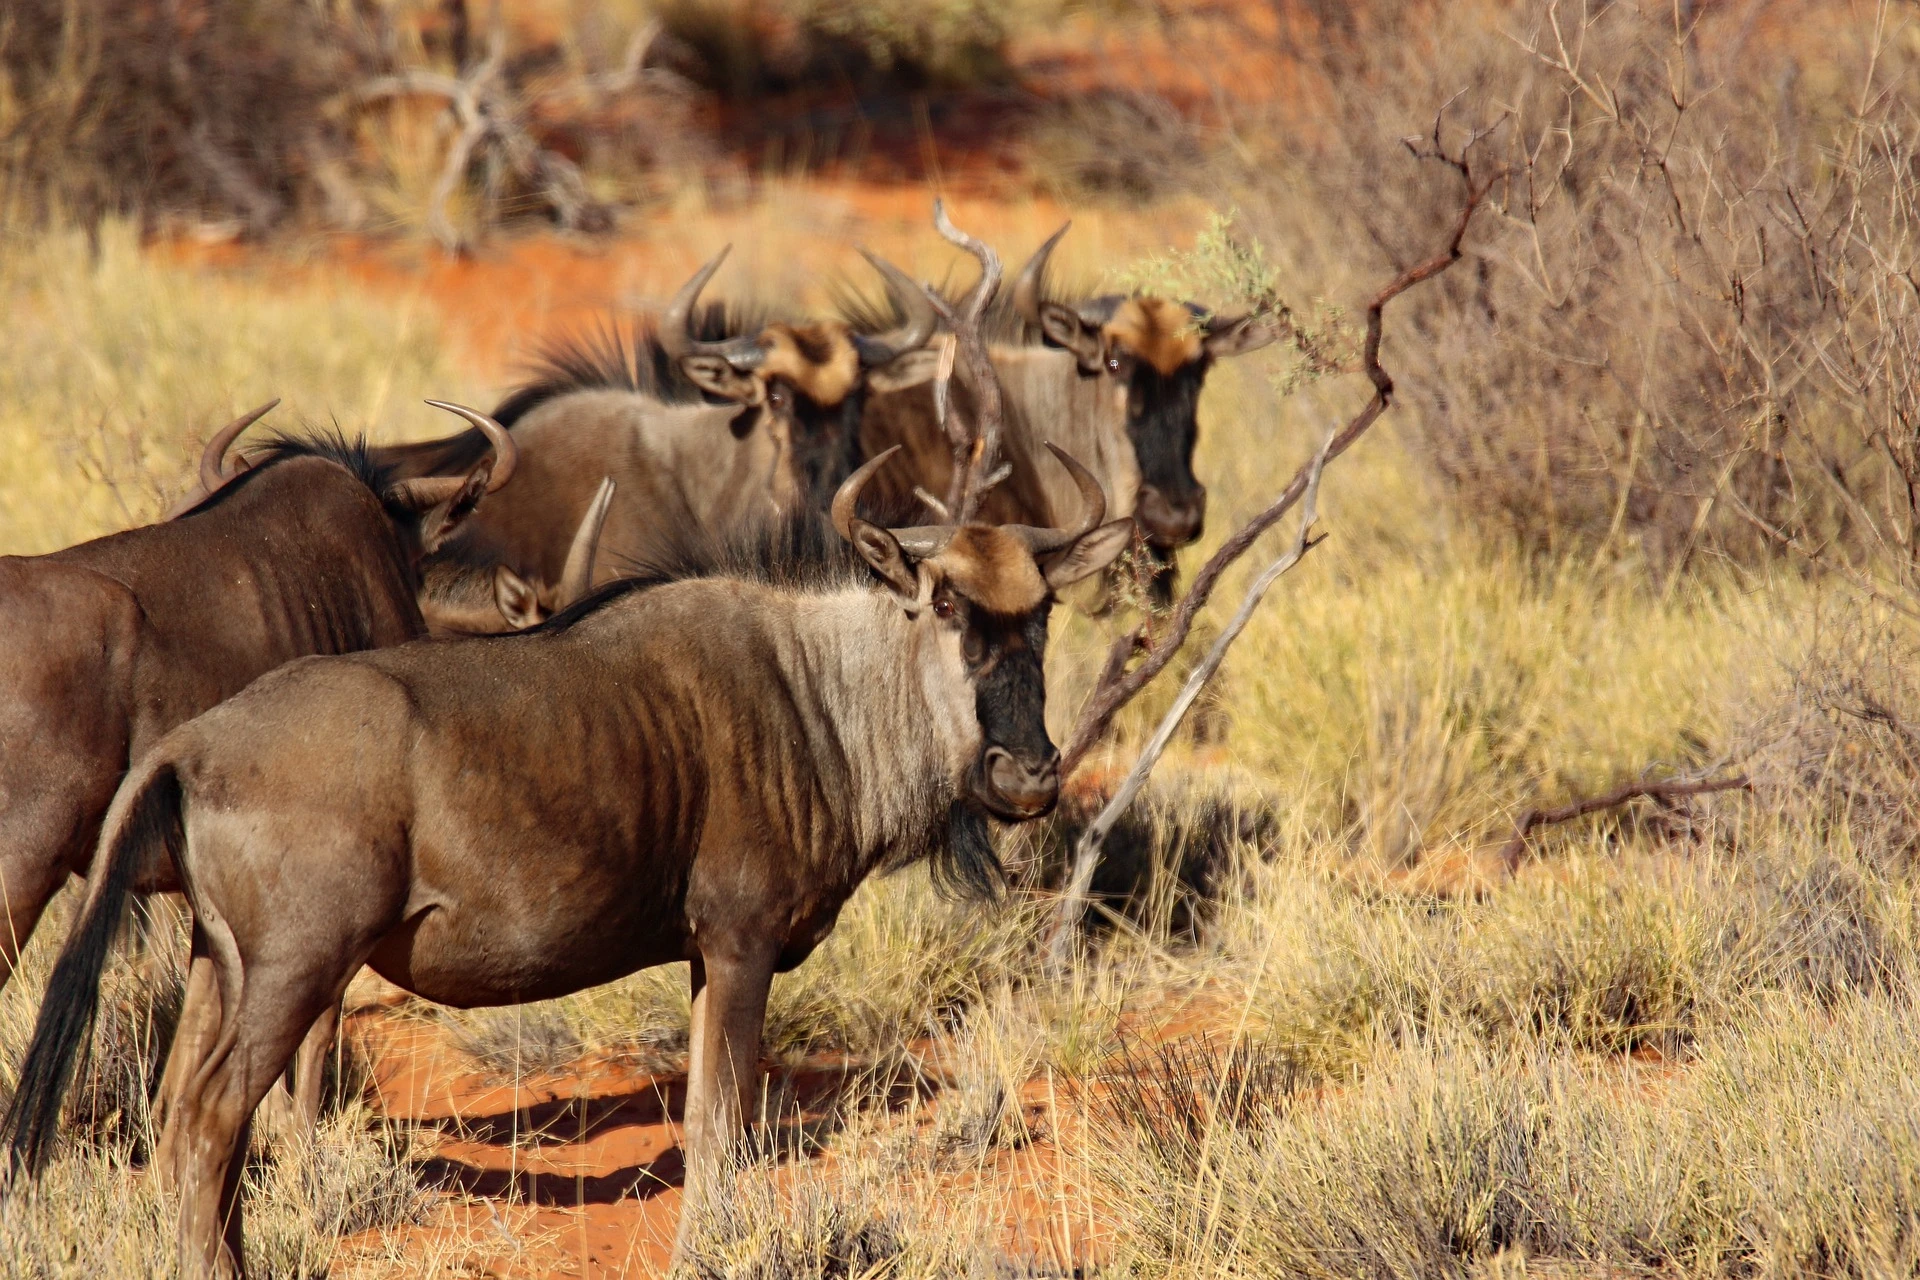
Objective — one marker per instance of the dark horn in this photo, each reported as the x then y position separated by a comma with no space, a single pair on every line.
845,498
506,454
577,577
882,348
1026,289
676,324
1093,501
213,471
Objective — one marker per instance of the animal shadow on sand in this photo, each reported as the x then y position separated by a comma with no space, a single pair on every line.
809,1103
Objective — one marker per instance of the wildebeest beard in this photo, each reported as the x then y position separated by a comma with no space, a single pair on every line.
826,445
1010,704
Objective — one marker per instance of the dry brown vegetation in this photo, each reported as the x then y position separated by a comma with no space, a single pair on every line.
1644,509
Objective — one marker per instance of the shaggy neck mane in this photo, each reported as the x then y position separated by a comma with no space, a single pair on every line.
856,650
354,455
617,357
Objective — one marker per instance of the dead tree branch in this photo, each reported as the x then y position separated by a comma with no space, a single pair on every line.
1086,855
976,446
1516,848
1120,684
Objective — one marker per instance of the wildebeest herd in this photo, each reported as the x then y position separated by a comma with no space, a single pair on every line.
634,670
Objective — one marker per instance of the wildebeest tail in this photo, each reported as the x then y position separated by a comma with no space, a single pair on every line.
139,826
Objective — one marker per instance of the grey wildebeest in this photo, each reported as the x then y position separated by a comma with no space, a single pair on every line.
696,768
1115,380
699,424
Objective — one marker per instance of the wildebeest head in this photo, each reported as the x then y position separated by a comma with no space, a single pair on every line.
979,596
802,381
1160,351
468,595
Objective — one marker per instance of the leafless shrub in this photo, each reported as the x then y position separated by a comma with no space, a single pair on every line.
1678,337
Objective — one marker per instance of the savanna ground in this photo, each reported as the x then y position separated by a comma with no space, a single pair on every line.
1643,510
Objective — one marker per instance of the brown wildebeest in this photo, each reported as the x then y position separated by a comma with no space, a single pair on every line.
113,642
1115,380
696,769
696,428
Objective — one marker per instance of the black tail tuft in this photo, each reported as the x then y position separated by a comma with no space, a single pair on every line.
65,1025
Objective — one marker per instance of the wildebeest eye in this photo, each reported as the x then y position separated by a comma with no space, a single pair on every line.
943,609
777,396
1113,364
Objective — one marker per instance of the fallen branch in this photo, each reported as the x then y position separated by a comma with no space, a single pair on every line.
1086,855
1118,684
1516,848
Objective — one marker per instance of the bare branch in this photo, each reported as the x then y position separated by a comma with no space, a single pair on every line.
1072,903
1516,848
1119,685
982,455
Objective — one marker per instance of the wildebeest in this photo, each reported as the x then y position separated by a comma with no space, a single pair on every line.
113,642
460,596
698,424
1114,379
696,768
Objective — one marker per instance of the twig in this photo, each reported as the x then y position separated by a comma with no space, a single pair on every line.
1086,856
1516,848
980,457
1118,684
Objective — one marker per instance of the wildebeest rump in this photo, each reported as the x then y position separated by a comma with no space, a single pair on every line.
716,419
1114,379
113,642
699,769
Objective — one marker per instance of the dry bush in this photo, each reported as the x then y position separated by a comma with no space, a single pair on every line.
1788,1149
206,109
1681,334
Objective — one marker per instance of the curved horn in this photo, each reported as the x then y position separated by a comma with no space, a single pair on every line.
577,576
676,324
923,540
1026,289
881,348
1093,501
848,494
213,471
506,454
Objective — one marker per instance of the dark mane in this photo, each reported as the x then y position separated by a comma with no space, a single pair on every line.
614,356
800,552
330,443
867,314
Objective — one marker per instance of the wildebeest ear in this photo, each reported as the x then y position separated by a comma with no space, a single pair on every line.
518,602
1089,553
881,550
1236,337
443,503
1064,327
715,376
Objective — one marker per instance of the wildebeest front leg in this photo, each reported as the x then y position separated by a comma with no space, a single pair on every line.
309,1070
729,1007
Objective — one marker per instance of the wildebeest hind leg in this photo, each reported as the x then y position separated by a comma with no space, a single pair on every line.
199,1024
271,983
309,1069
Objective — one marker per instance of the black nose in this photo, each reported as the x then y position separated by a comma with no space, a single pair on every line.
1023,788
1171,522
